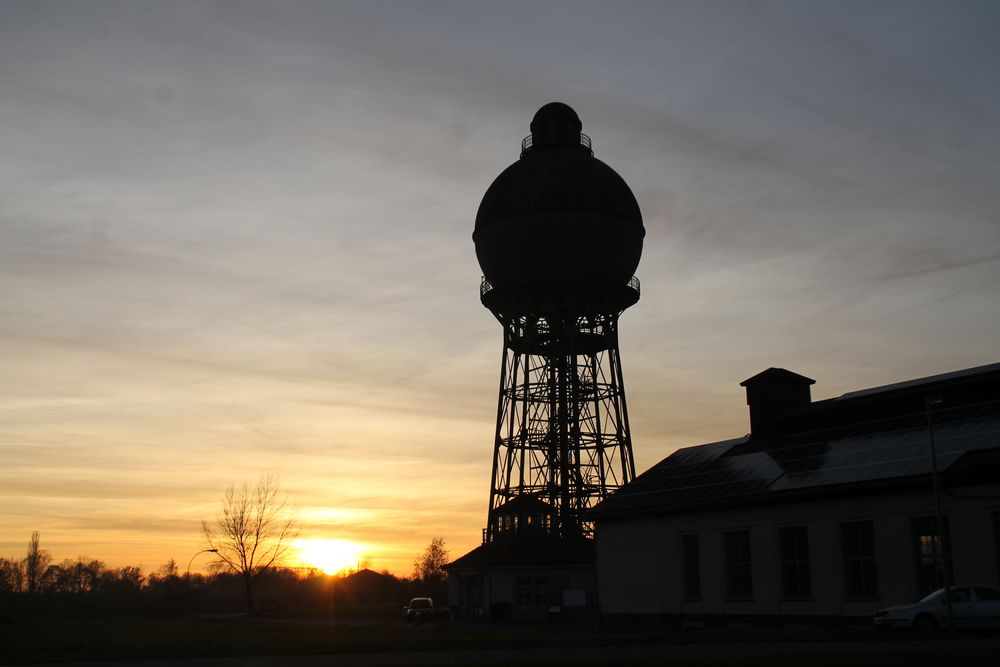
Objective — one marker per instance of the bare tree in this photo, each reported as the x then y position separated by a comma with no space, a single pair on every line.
254,531
35,563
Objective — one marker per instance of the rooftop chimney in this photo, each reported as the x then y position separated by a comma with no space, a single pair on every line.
774,393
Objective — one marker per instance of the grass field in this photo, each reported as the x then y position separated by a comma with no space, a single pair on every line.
123,638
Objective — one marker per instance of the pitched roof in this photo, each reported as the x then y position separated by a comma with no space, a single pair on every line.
524,552
919,382
839,445
776,375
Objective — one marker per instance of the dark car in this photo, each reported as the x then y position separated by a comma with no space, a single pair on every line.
972,607
423,609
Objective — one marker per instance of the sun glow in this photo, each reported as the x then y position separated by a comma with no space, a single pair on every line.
331,556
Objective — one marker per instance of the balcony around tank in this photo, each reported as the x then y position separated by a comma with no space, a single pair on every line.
485,286
527,143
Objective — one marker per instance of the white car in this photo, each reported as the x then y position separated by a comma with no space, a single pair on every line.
972,607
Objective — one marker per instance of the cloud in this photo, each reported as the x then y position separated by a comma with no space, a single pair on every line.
237,236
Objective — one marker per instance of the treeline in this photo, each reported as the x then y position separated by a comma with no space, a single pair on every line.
34,585
89,586
81,576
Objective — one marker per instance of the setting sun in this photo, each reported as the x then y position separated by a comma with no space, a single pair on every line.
331,556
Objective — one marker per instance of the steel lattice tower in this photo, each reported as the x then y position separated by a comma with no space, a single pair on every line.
558,236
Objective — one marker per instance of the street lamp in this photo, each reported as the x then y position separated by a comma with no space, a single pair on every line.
930,402
187,575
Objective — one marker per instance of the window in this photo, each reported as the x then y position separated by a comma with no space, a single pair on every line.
959,595
857,540
926,552
531,592
996,540
692,567
739,574
793,549
988,594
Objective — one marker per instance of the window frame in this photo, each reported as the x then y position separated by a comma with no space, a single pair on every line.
995,521
795,567
859,558
532,591
690,569
929,577
738,561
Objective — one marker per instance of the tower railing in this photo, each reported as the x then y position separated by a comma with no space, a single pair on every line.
633,282
528,142
485,286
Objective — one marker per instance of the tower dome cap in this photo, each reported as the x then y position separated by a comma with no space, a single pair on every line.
556,125
556,113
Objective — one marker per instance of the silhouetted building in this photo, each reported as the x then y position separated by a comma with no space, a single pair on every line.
825,510
558,236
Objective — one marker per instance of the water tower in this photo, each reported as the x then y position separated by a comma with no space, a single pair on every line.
558,236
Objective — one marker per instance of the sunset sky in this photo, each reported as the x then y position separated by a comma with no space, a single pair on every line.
235,238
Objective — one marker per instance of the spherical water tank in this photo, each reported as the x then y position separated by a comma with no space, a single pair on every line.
558,214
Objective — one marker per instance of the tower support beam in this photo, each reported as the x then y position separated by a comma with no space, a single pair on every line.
562,436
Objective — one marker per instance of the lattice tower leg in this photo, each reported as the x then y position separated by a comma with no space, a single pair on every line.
562,433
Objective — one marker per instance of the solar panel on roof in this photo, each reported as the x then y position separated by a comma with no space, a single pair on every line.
896,447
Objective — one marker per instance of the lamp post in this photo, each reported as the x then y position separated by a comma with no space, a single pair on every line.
930,402
187,575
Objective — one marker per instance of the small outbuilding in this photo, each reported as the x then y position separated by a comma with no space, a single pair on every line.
535,577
